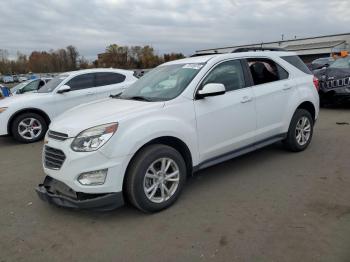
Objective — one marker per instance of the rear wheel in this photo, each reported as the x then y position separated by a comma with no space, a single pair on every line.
155,178
300,131
28,128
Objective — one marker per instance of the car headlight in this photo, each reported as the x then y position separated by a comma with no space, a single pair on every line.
2,109
93,138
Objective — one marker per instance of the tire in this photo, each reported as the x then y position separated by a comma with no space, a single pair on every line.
299,136
34,124
137,182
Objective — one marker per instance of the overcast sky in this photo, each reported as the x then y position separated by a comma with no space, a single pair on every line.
167,25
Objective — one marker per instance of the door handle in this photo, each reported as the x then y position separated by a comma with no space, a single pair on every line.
90,93
246,99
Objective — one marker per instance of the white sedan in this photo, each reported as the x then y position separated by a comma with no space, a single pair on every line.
27,117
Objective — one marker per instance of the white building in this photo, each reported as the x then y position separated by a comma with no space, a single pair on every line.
307,48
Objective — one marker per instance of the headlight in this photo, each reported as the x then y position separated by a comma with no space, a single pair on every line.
2,109
93,138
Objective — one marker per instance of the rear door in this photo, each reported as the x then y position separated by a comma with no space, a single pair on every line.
273,90
109,83
227,122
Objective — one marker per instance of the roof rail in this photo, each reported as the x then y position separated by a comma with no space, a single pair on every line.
207,53
248,49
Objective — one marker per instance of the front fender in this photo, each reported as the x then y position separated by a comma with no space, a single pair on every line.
135,133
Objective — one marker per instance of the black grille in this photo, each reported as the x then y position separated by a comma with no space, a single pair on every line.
54,158
336,83
57,135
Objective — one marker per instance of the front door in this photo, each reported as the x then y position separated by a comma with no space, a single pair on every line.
82,91
227,122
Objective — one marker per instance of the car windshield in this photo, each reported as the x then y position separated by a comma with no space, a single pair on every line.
162,83
341,63
50,86
19,86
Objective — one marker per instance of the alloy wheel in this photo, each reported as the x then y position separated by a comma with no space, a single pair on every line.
303,131
161,180
30,128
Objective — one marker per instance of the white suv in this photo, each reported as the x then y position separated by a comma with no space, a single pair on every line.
27,117
182,116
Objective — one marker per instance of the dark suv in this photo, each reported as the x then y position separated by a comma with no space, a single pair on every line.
335,82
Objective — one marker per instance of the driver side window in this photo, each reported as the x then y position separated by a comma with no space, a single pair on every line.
229,73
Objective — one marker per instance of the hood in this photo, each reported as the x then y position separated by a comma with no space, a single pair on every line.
332,73
23,98
100,112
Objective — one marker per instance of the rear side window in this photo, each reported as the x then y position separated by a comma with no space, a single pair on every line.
109,78
82,81
298,63
229,73
265,70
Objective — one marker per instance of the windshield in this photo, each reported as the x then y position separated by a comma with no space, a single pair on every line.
50,86
162,83
341,63
19,86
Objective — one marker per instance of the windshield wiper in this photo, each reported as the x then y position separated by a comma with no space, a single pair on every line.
139,98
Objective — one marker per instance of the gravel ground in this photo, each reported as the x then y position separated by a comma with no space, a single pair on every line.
270,205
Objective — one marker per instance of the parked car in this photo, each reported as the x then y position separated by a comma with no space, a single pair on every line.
4,92
6,79
15,78
26,117
321,63
335,82
29,86
22,78
181,117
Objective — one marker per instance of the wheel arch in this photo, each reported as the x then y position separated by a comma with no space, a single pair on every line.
27,110
173,142
310,107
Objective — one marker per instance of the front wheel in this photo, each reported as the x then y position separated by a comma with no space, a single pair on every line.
28,128
300,131
155,178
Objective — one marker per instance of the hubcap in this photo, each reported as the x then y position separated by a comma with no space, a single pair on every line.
161,180
29,128
303,131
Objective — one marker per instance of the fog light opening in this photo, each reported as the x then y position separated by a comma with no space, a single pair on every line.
93,178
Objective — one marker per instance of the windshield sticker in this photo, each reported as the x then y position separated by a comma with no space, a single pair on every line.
193,66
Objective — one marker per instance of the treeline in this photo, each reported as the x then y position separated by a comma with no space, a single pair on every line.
41,61
133,57
68,59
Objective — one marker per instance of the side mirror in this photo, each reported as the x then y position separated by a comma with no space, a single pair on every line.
63,89
212,89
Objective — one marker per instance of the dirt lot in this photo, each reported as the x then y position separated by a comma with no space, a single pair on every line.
270,205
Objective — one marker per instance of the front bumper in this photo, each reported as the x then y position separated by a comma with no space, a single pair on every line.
3,123
77,163
336,95
58,193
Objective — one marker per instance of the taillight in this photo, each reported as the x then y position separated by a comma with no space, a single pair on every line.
316,83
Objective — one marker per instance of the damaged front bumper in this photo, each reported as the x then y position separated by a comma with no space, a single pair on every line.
57,193
335,95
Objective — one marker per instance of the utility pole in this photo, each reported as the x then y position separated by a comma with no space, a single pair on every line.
282,37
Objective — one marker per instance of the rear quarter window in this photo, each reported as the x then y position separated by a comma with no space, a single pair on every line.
109,78
297,62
